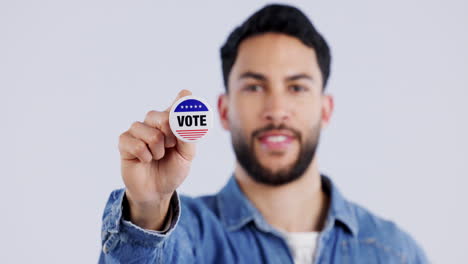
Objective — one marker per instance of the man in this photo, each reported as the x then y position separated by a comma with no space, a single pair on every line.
277,207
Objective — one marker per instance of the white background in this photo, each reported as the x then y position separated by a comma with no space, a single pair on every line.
76,74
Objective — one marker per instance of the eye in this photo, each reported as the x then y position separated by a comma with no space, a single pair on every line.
254,88
297,88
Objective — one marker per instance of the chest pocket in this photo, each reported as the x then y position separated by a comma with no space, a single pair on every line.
370,250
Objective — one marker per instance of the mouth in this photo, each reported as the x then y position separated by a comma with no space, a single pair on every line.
276,140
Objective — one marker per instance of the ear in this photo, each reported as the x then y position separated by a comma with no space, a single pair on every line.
327,109
223,110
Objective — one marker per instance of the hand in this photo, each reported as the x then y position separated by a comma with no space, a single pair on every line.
154,163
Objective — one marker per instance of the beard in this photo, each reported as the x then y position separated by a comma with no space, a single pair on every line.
245,154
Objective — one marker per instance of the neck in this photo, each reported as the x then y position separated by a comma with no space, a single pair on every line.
299,206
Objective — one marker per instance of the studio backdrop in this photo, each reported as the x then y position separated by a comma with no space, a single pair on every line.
74,75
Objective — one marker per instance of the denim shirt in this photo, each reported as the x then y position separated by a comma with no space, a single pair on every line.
226,228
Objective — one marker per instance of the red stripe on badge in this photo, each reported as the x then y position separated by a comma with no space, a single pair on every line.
192,130
192,134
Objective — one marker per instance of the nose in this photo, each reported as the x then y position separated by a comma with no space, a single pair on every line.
276,109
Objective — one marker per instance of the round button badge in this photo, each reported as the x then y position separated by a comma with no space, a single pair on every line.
190,119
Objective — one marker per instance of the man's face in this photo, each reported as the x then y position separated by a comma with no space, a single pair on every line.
275,108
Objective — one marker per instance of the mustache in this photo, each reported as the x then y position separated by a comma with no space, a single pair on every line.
270,127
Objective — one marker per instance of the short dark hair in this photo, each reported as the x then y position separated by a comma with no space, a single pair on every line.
277,18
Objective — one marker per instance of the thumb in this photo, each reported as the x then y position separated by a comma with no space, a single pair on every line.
185,149
181,94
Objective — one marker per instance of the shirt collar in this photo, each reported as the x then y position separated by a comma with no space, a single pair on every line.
236,210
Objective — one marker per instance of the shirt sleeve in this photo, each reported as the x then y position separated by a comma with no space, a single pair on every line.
418,255
125,242
167,224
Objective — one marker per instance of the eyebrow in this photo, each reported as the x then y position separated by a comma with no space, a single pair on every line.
253,75
299,76
261,77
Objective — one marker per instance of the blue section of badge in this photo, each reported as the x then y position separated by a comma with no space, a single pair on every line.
191,105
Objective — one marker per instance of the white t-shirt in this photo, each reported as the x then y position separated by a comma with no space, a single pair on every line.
302,246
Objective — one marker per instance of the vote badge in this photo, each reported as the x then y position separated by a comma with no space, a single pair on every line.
190,119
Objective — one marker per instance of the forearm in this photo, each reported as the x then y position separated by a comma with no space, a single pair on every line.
148,215
123,241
